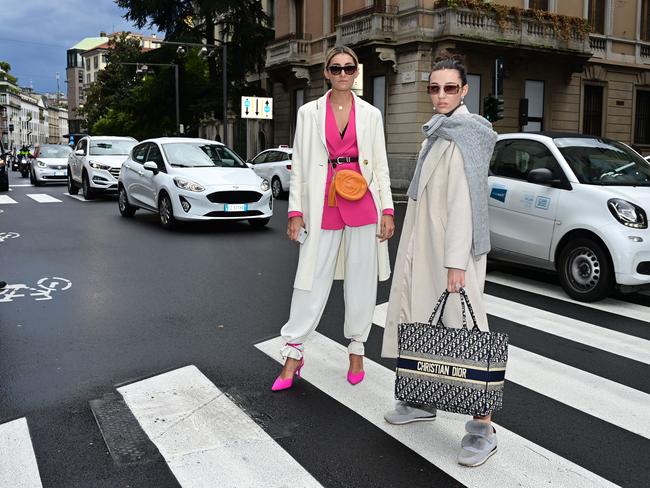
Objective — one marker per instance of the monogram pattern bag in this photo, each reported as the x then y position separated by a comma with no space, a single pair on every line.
455,370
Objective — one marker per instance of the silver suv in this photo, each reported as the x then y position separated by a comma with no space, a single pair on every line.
95,164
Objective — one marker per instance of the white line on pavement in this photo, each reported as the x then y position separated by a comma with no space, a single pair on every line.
607,400
575,330
519,462
205,438
76,197
6,199
611,305
18,466
43,198
20,186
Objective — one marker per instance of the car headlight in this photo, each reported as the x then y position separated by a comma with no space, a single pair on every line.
188,185
96,165
41,164
264,186
627,213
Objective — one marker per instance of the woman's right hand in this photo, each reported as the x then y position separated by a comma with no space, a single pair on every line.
293,227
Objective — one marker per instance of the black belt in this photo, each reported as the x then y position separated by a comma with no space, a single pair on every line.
345,159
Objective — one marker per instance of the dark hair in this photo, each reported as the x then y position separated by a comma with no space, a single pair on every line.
448,60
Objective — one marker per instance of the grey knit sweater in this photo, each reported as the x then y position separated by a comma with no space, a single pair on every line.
475,138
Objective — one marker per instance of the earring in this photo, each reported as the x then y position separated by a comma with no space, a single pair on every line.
462,100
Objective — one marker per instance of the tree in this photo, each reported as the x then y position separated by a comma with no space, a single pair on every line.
6,67
243,21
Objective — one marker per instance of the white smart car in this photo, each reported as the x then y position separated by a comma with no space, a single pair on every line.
274,165
575,204
192,179
95,164
50,164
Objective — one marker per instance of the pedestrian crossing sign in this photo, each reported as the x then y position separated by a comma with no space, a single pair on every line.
256,108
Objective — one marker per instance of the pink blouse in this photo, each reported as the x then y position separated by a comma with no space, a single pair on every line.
346,212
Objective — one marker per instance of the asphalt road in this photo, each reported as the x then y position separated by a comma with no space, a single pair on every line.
108,301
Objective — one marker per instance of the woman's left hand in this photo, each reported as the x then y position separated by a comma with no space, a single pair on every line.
387,228
455,280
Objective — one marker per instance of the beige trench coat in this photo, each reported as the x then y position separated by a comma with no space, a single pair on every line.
309,173
436,235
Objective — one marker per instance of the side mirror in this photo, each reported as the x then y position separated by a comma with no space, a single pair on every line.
541,176
249,165
80,152
151,166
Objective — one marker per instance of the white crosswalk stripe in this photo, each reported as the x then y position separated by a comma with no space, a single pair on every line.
42,198
6,200
205,438
610,305
18,466
519,462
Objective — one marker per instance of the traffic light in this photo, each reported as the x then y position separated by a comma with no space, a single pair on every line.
493,108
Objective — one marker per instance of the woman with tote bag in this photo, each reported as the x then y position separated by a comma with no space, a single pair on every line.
445,237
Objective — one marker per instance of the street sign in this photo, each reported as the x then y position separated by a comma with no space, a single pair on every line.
256,108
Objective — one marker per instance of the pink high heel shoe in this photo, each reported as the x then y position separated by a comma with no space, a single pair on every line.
356,378
279,384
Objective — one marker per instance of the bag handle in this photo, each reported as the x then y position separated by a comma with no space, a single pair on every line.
464,300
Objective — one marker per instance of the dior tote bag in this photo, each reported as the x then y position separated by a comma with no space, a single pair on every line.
456,370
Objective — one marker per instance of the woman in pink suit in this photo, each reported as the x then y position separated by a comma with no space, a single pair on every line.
346,240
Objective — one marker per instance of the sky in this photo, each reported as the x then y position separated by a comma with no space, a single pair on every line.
35,34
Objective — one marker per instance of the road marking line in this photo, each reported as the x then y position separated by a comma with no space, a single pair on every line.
6,200
21,186
625,345
17,459
43,198
630,310
205,438
76,197
519,461
607,400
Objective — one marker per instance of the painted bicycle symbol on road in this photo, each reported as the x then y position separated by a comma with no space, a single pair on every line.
8,235
43,290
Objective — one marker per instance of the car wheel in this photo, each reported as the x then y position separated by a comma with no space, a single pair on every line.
86,189
126,209
276,187
585,270
73,189
166,211
259,223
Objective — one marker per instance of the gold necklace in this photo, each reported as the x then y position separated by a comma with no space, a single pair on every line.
340,107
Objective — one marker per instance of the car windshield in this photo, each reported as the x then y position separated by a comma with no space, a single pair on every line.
109,147
201,155
54,151
597,161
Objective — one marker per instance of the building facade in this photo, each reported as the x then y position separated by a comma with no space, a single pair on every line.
571,79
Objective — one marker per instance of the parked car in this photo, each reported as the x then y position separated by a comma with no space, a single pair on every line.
4,168
50,164
95,164
572,203
192,179
275,166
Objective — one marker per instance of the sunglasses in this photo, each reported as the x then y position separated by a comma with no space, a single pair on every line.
448,89
336,69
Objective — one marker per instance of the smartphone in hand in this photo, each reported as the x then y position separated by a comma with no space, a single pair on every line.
302,235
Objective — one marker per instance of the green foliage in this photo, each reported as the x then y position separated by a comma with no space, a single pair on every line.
6,67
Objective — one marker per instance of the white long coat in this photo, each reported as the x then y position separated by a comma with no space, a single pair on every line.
436,235
309,174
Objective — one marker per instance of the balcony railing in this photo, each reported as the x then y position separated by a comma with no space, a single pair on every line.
369,24
598,45
289,49
523,31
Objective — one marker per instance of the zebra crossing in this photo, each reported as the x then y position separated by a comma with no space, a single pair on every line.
36,197
209,438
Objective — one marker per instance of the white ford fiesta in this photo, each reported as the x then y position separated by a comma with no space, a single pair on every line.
192,179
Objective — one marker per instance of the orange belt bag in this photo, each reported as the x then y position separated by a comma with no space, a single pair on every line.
347,184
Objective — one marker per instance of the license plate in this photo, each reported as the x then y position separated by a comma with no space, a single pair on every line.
59,173
236,207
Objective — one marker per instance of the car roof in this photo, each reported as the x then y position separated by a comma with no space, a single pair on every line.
165,140
551,135
112,138
287,150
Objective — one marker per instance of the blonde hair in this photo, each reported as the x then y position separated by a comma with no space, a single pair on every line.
340,50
